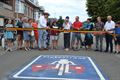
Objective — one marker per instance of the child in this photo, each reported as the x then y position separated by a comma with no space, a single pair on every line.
9,36
117,37
35,25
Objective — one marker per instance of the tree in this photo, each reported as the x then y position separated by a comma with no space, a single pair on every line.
103,8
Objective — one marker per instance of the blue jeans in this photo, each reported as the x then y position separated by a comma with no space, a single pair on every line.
99,42
42,38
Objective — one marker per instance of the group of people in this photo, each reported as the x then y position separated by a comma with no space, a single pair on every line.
47,33
28,37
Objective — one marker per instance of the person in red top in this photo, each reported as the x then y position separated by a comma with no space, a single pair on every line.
77,25
54,35
35,25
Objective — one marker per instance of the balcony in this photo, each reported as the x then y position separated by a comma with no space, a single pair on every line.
5,6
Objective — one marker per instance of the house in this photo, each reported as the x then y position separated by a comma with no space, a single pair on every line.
14,9
27,8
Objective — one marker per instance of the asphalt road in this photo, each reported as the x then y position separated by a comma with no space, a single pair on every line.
11,61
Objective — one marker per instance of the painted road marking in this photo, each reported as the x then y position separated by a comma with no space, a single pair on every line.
65,65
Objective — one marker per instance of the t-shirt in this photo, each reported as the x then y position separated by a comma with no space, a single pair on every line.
67,26
26,25
117,30
8,33
20,25
8,25
77,25
99,26
60,23
54,32
35,25
89,26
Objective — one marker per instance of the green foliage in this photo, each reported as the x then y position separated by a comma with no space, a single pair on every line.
104,8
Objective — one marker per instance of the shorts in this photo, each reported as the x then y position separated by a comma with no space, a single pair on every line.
118,40
26,36
54,37
76,36
32,38
115,41
10,39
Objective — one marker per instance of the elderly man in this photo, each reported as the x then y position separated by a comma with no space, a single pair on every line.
99,26
109,26
42,38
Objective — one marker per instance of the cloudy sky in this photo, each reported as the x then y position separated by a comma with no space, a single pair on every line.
64,8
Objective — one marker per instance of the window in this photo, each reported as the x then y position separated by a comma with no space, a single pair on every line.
25,10
19,6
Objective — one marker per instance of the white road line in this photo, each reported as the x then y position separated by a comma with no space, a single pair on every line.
46,78
97,70
16,75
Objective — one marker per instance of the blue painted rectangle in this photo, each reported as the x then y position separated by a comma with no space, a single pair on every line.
60,67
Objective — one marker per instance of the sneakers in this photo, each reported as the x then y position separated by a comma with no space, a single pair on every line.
66,49
11,50
8,49
27,49
118,52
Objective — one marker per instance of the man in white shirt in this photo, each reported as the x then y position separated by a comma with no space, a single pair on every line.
109,25
42,38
